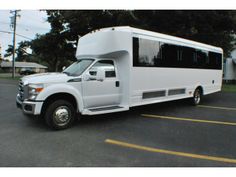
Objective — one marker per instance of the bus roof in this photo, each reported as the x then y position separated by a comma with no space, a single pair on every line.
162,36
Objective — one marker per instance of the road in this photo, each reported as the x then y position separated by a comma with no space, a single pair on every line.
168,134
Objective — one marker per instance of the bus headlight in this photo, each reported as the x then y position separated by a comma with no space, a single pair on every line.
34,90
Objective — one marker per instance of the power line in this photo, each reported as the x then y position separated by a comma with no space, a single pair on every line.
9,32
23,26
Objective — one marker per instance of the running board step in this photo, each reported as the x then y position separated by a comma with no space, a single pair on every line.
105,108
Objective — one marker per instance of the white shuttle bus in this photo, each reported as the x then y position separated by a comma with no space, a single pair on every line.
122,67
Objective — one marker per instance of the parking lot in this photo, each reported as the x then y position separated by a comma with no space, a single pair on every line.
167,134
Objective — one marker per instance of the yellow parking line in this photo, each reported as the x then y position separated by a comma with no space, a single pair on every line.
217,107
189,119
183,154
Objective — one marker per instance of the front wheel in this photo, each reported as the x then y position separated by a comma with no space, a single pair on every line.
197,95
60,114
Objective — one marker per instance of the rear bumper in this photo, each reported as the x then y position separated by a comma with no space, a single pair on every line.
29,107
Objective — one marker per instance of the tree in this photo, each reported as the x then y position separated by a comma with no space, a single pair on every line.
54,50
75,23
22,54
57,47
21,51
9,51
208,26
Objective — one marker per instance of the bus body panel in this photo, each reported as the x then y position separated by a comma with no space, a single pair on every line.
146,85
183,81
137,84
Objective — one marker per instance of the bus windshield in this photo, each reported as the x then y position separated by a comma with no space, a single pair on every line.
78,67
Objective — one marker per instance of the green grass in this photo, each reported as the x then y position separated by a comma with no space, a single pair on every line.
10,78
229,88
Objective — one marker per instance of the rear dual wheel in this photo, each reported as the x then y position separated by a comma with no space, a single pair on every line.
197,96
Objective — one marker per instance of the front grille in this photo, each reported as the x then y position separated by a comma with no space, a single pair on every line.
21,91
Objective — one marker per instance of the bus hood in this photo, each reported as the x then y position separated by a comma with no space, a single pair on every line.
44,78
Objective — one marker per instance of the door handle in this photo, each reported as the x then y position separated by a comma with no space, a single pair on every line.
117,83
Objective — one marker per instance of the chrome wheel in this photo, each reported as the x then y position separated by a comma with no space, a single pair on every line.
62,115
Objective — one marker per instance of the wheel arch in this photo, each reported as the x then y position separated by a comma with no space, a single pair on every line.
60,95
201,89
63,91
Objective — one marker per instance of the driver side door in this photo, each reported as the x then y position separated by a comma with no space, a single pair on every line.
101,93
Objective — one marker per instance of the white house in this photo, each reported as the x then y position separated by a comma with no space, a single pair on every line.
230,68
7,66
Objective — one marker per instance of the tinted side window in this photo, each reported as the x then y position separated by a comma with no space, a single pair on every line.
108,66
146,52
188,57
218,61
169,55
202,57
135,52
149,53
215,60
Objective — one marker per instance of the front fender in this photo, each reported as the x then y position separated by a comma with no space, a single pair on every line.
62,88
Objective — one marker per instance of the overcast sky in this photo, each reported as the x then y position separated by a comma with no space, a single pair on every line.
30,23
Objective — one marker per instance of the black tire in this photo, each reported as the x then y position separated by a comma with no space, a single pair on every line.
197,96
60,114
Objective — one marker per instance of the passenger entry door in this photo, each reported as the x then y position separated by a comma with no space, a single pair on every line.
101,93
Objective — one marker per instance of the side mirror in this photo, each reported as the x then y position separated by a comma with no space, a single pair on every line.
63,68
100,74
88,77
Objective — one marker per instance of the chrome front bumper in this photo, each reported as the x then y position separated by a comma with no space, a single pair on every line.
29,107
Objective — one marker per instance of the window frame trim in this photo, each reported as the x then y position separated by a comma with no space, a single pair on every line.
100,59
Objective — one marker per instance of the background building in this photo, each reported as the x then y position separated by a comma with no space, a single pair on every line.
0,52
230,68
7,66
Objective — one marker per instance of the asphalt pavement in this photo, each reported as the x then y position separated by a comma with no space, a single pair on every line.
168,134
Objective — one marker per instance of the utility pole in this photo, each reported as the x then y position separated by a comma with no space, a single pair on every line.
13,24
0,53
